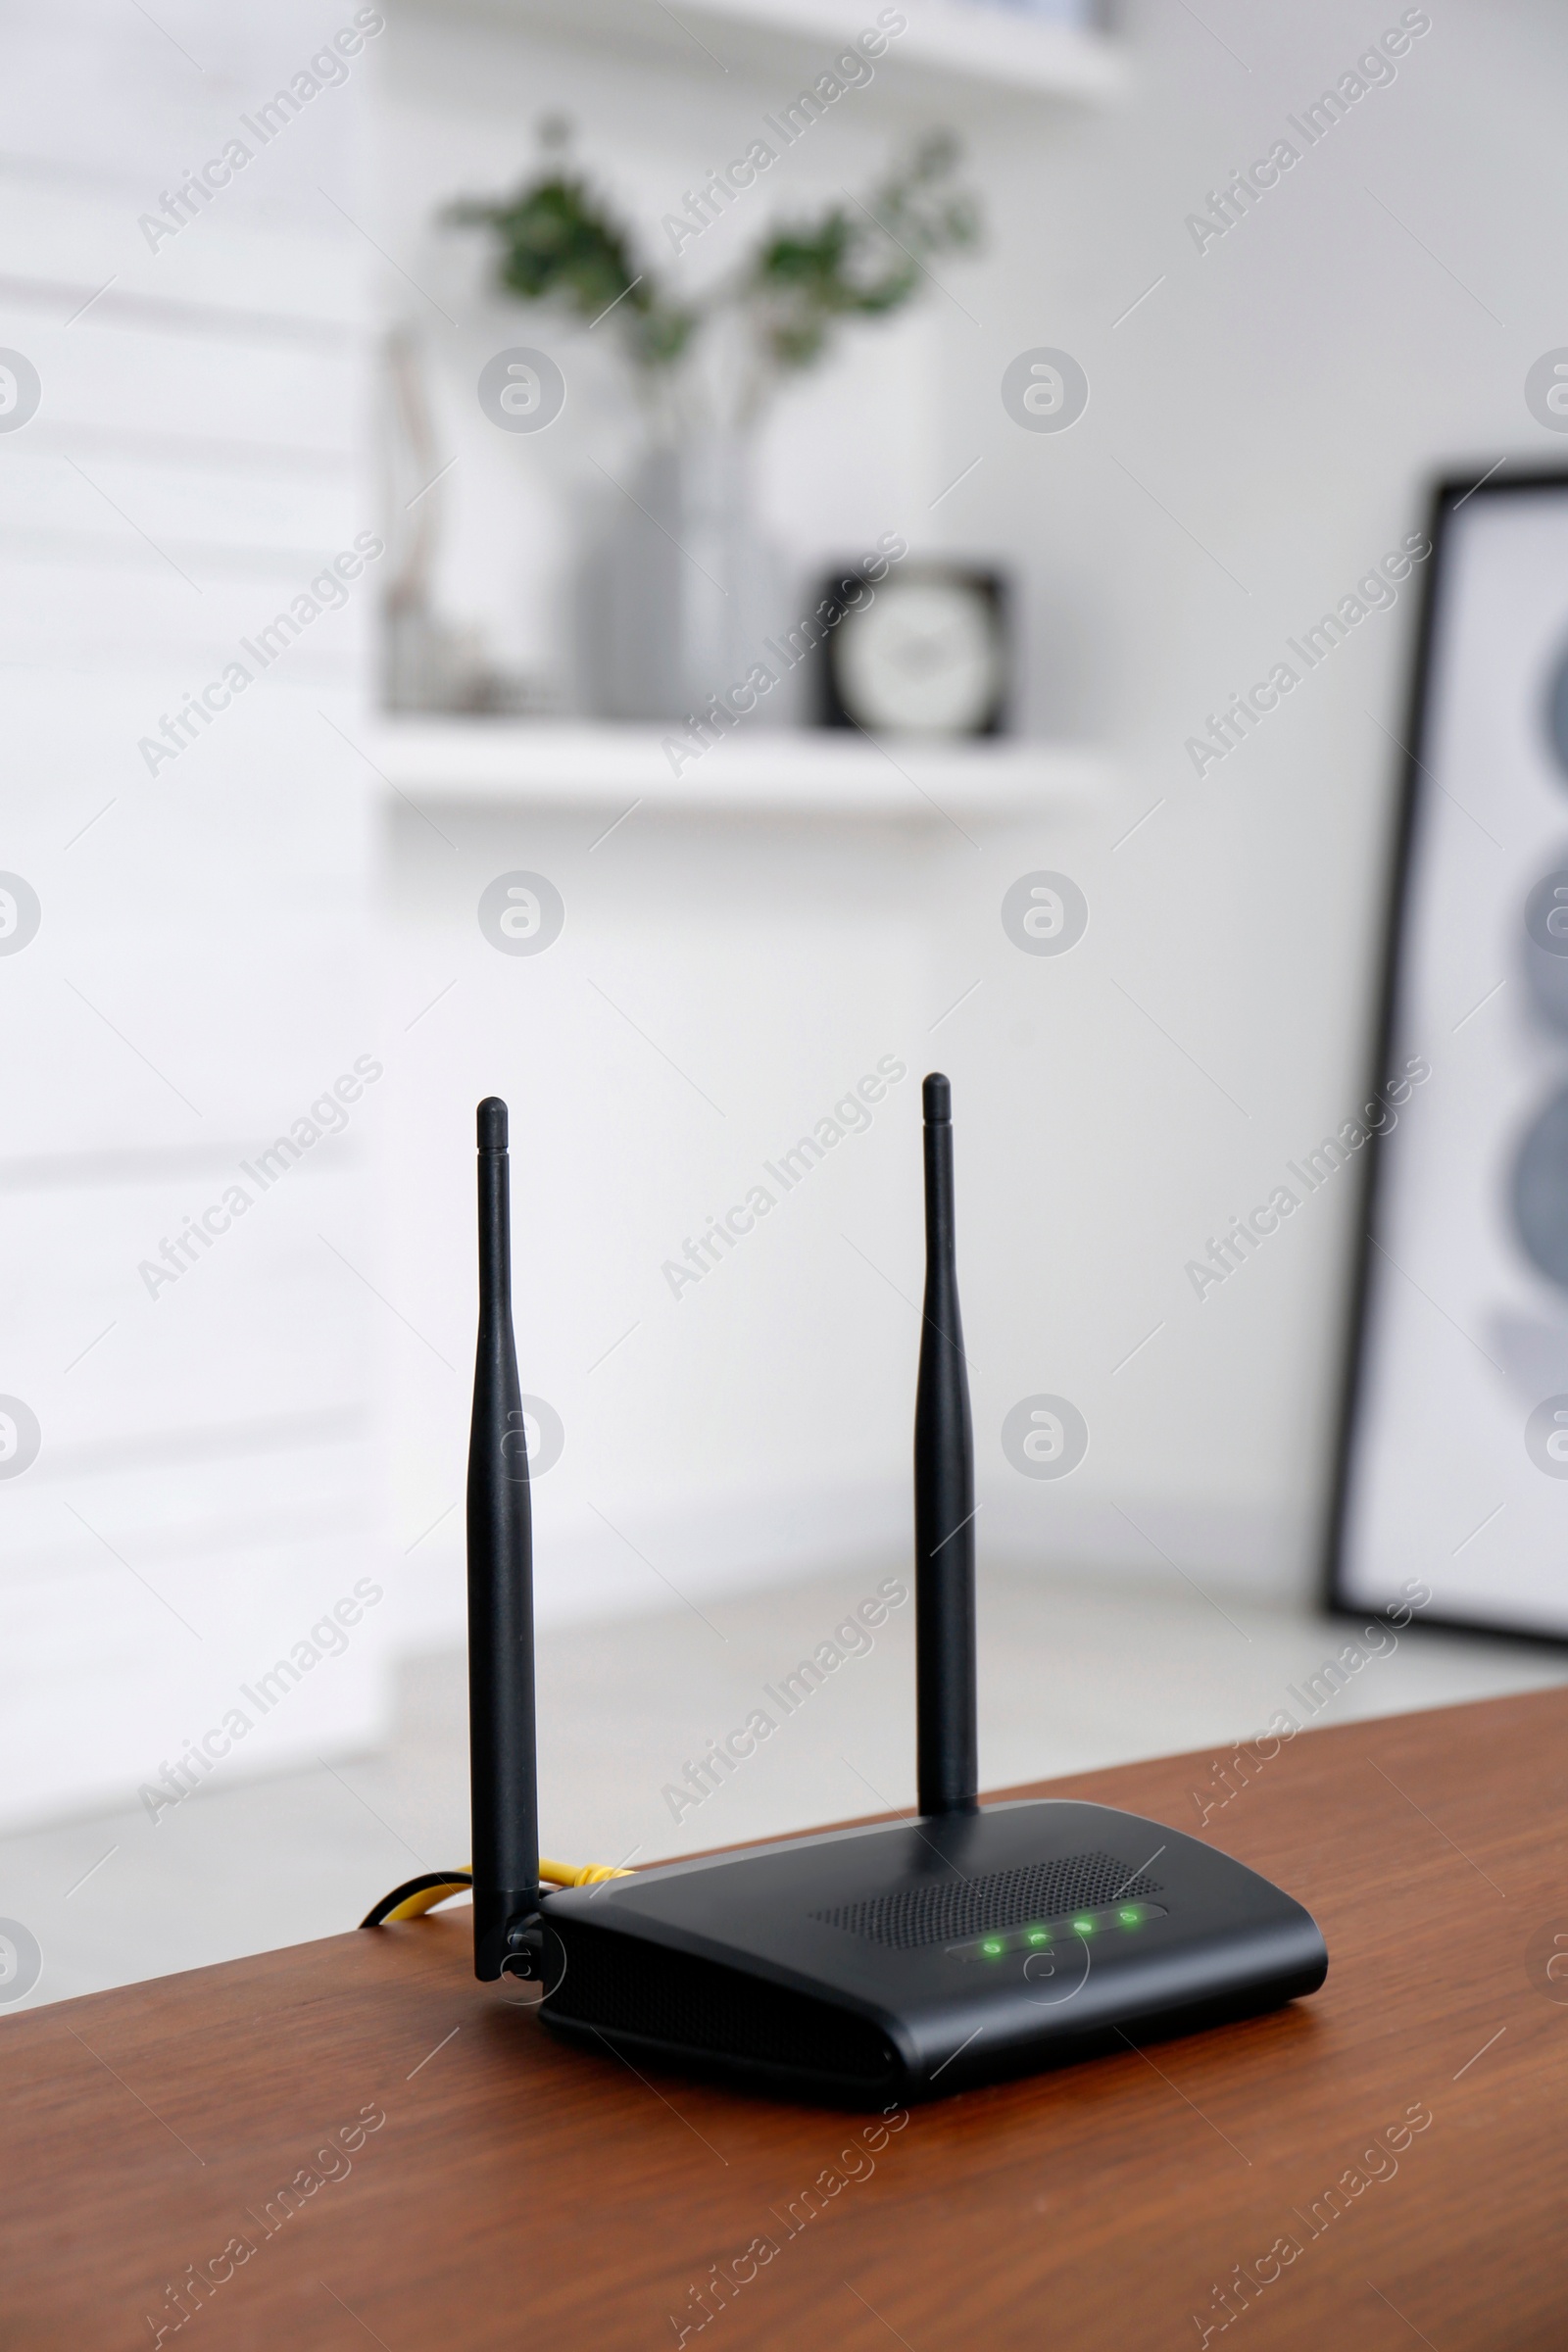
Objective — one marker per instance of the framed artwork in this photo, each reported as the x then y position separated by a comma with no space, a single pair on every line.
1452,1463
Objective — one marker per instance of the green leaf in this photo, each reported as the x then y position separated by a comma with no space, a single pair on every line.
556,242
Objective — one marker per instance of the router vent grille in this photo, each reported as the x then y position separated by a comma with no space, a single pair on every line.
950,1910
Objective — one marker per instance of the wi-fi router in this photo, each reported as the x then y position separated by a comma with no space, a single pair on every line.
920,1956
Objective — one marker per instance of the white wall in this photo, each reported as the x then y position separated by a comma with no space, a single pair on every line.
1259,431
1284,396
206,1487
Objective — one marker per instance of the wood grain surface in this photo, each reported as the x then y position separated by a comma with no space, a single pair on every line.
355,2142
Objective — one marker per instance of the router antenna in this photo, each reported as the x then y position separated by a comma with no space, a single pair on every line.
503,1790
949,1769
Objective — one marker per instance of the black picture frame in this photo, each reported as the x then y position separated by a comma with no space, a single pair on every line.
1447,496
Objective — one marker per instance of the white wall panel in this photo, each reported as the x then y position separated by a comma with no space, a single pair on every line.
206,1486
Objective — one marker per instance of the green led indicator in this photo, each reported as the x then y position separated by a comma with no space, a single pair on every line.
1040,1935
1083,1926
991,1947
1131,1916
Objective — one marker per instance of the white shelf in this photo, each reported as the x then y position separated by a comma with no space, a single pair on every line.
990,48
765,772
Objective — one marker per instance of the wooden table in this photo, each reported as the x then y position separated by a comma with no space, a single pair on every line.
517,2193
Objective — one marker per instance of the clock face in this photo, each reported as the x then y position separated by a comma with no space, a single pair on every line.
925,658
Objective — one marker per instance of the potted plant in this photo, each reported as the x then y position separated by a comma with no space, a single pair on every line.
684,589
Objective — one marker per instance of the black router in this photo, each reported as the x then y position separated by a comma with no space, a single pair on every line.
920,1956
